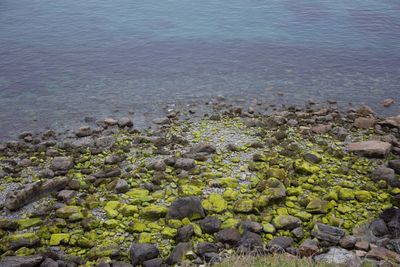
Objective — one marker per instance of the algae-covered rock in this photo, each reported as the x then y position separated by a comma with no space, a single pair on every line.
243,205
303,167
346,194
108,250
57,239
215,203
189,207
363,195
70,212
286,222
317,206
154,212
191,190
17,241
128,210
139,195
111,208
231,194
30,222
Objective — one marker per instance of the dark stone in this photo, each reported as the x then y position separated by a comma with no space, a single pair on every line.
395,165
205,247
157,262
113,159
212,257
189,207
327,233
201,150
178,253
125,122
280,243
251,226
251,241
378,228
387,174
121,186
108,173
312,158
21,261
391,217
184,233
49,262
210,224
229,236
140,253
185,164
157,165
120,264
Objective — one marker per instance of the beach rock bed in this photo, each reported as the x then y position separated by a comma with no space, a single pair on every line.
312,182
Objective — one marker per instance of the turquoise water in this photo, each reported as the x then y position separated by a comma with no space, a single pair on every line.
63,60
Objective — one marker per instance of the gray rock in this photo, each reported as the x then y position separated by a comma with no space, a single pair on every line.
105,142
298,232
280,243
372,148
125,122
157,165
140,253
189,207
178,253
121,186
83,131
113,159
364,123
387,174
348,242
327,233
17,199
62,164
21,261
229,236
185,164
308,248
66,195
339,256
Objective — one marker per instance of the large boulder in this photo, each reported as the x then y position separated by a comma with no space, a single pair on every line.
327,233
32,192
189,207
140,253
372,148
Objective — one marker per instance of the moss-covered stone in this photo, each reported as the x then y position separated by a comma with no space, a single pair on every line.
243,205
154,212
57,239
346,194
286,222
30,222
363,195
111,208
215,203
317,206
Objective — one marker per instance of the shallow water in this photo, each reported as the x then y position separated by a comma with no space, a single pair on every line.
63,60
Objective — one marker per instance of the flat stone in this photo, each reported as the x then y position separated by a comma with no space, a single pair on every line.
61,164
362,245
286,222
364,123
308,248
185,164
370,148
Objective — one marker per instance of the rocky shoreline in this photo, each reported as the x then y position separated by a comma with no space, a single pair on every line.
311,182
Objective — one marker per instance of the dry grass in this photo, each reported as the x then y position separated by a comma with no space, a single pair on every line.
278,260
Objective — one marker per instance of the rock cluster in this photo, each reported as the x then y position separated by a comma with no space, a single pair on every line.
311,182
